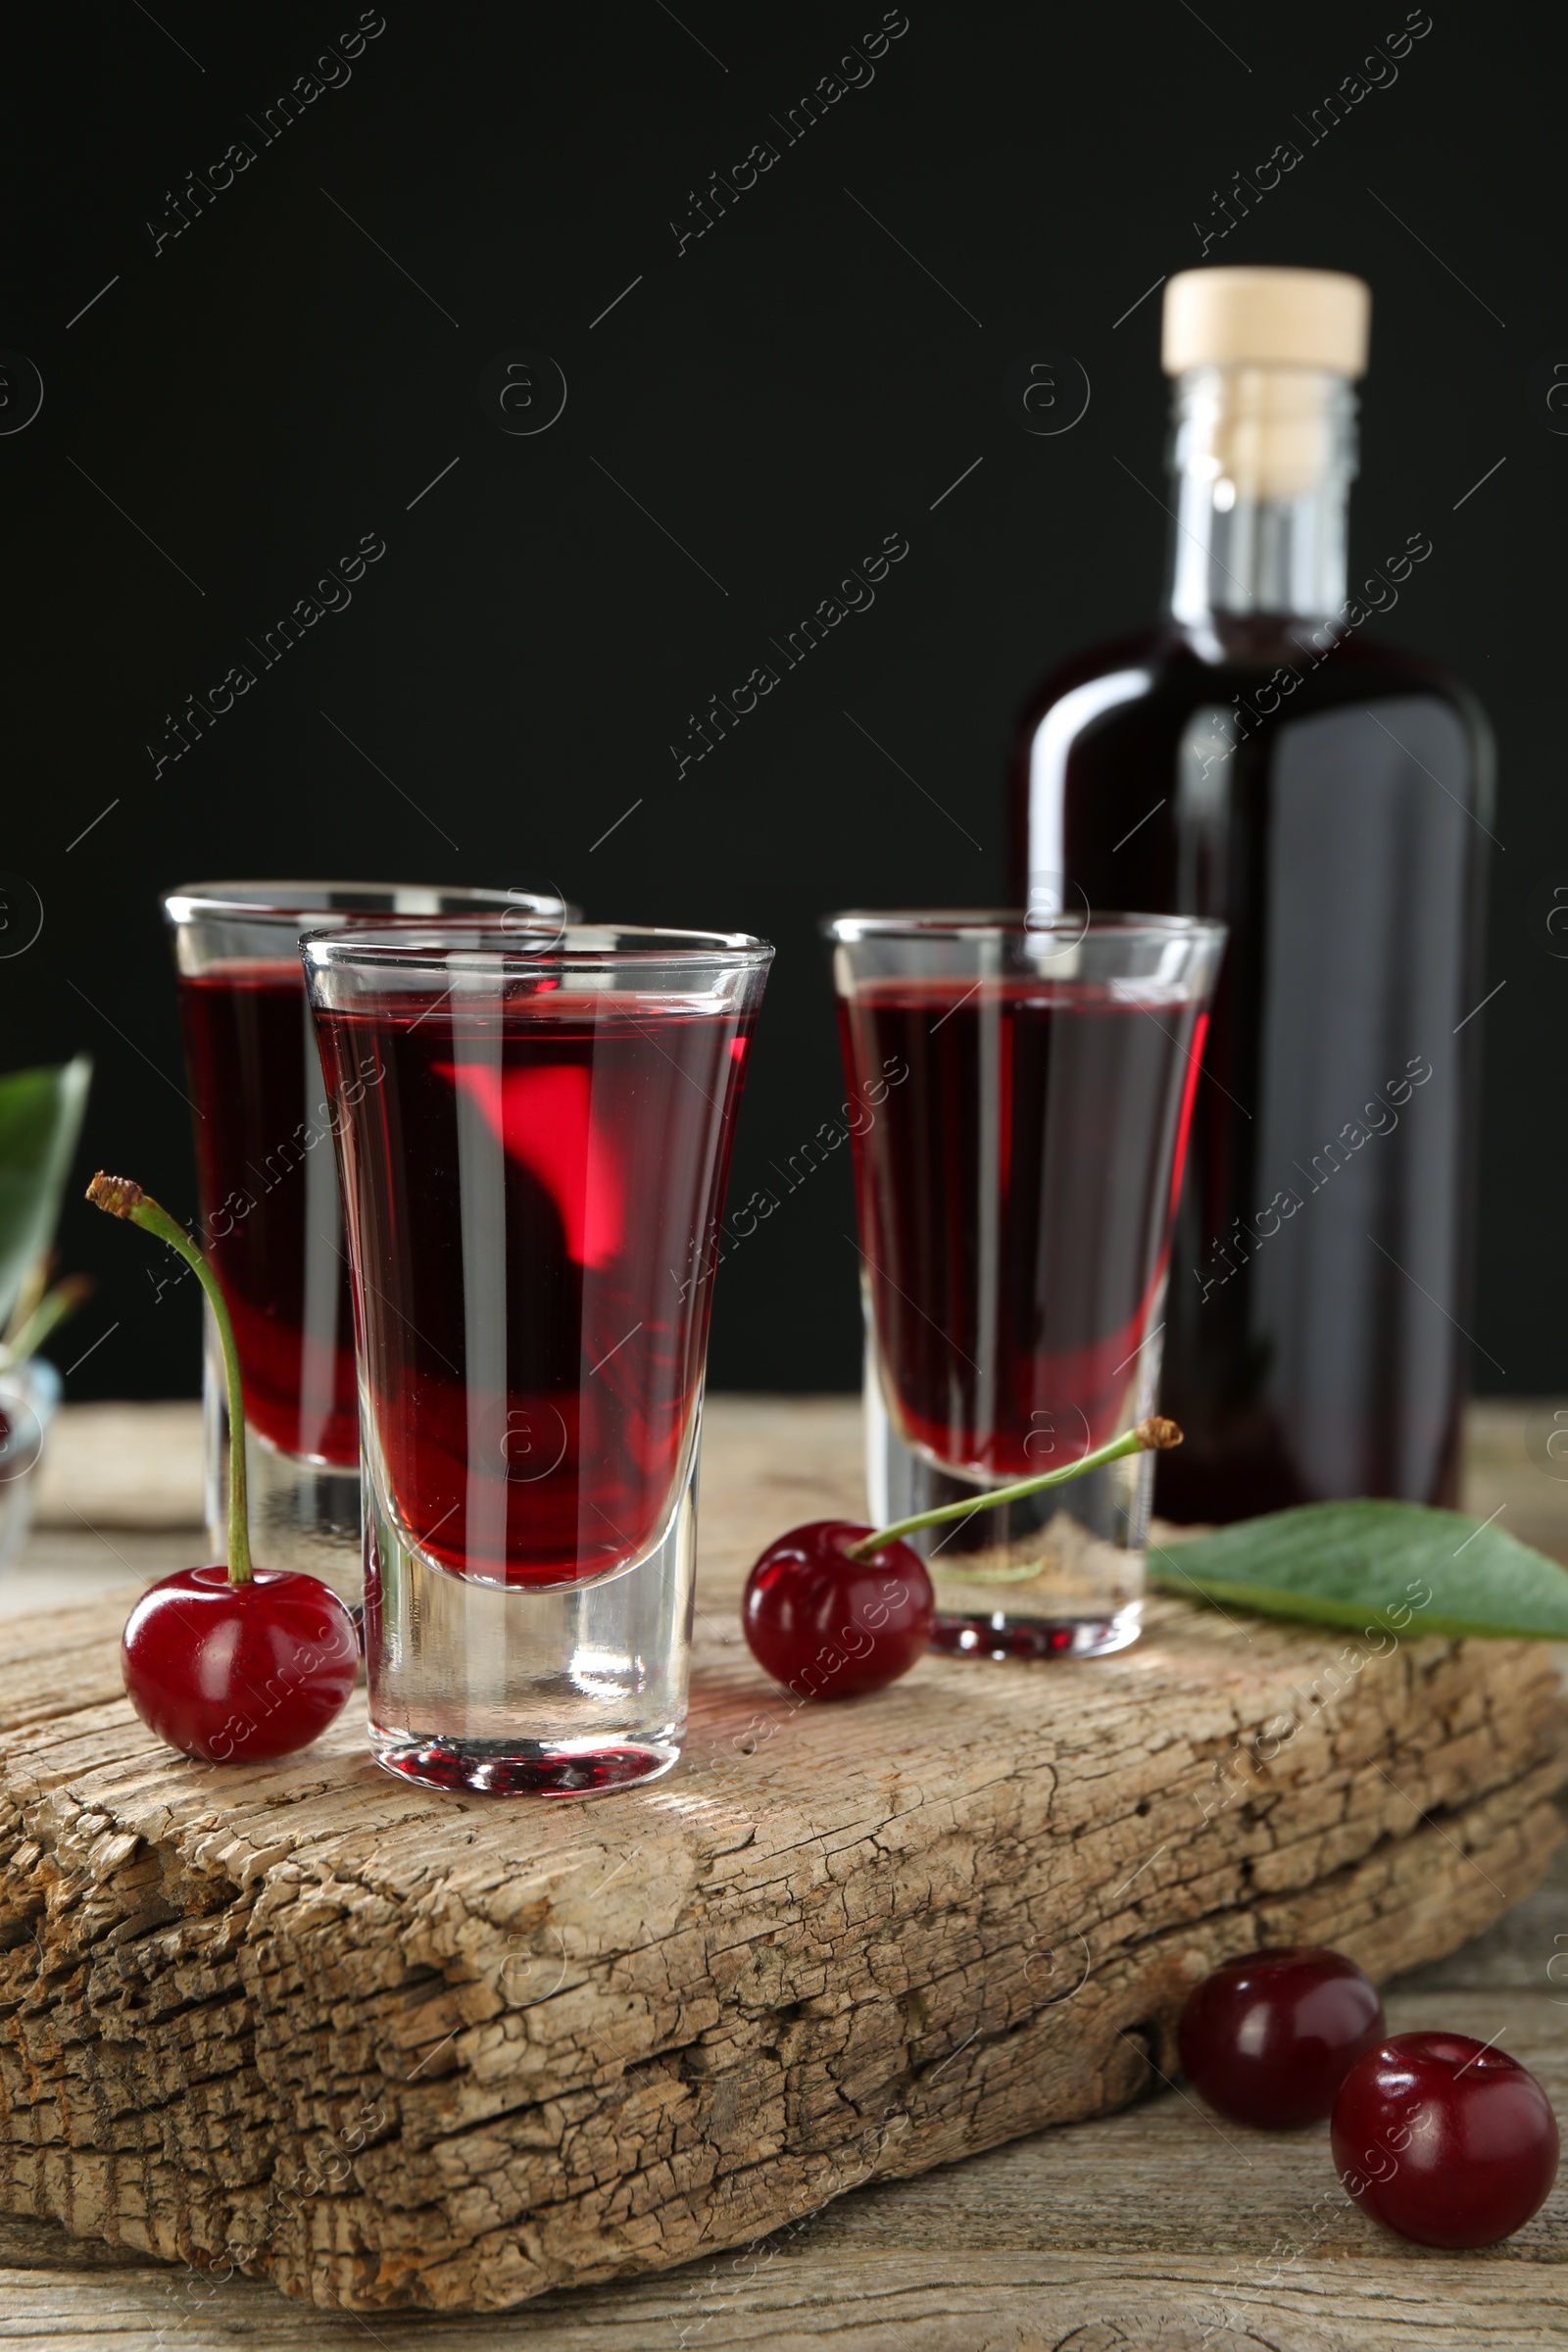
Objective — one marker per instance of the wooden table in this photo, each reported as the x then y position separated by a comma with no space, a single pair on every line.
1154,2227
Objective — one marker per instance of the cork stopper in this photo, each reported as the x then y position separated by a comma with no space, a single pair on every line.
1315,318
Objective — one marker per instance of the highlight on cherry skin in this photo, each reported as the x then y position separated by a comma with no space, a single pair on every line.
1444,2140
834,1609
230,1663
1270,2035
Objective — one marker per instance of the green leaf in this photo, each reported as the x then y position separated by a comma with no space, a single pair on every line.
1377,1566
40,1119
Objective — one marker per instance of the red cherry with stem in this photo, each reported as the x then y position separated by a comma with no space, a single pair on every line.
834,1608
225,1663
1269,2038
233,1672
828,1626
1444,2140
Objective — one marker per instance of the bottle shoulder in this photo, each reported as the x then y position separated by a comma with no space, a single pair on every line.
1113,736
1146,650
1271,669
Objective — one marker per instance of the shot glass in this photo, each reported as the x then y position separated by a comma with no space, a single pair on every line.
1021,1088
268,1198
534,1141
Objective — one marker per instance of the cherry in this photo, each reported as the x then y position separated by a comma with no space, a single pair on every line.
1444,2140
831,1627
231,1673
227,1663
1269,2038
832,1608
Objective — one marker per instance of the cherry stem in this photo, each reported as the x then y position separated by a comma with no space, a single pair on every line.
119,1196
1155,1435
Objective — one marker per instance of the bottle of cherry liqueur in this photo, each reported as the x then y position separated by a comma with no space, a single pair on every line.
1258,758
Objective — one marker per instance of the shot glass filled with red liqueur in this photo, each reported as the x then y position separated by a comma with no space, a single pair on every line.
1020,1093
267,1191
535,1141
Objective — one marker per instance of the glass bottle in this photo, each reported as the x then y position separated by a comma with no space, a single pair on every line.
1258,760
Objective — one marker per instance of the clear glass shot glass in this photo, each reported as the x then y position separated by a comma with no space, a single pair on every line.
267,1192
1020,1092
534,1143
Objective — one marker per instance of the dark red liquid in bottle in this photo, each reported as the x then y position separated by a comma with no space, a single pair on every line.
523,1184
271,1220
1337,823
1016,1200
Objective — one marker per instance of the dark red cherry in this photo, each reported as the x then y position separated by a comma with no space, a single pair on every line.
829,1627
1444,2139
1269,2038
233,1673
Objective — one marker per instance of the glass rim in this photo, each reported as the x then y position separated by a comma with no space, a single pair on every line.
223,901
578,946
997,922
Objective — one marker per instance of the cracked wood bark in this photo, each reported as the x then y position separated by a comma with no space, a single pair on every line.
393,2049
1152,2230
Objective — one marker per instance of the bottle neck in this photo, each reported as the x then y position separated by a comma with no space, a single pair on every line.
1262,460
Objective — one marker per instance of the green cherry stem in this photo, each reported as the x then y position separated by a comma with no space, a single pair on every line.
119,1196
1155,1435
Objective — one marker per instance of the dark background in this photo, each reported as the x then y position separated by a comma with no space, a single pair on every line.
780,395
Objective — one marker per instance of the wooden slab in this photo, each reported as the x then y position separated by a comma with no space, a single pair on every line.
393,2049
1146,2231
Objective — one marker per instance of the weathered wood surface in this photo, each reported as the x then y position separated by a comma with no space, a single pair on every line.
1145,2231
110,1467
856,1949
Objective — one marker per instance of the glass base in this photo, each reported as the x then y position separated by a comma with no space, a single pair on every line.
492,1768
302,1514
29,1393
1058,1575
516,1691
1000,1635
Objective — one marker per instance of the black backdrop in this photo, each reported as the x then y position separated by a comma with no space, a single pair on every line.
300,365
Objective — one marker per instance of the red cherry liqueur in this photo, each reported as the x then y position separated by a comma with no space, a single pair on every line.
270,1202
584,1428
1259,758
